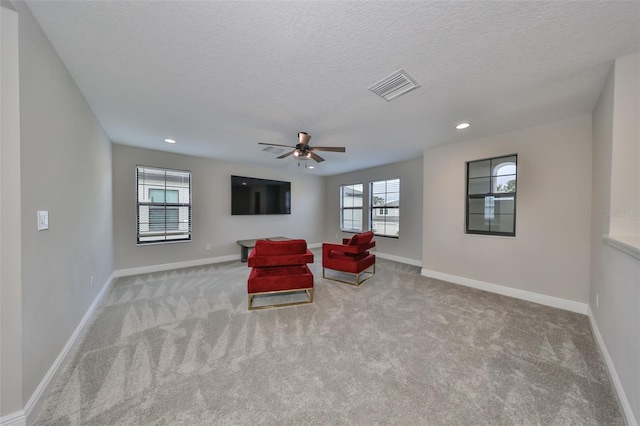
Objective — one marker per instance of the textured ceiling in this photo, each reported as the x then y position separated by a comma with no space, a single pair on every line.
222,76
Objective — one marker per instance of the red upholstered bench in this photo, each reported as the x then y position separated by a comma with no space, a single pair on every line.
279,267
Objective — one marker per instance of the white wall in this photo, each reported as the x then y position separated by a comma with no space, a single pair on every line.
10,253
625,170
409,246
550,253
212,220
615,275
65,168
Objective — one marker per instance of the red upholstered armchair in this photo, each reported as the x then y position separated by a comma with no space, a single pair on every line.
279,267
351,257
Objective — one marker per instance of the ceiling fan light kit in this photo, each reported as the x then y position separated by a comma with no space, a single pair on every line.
303,152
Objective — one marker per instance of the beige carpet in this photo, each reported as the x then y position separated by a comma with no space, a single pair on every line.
181,348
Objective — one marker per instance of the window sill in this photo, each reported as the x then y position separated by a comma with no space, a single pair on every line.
627,244
375,235
507,237
393,237
155,243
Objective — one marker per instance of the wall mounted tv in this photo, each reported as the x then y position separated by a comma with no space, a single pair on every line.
259,196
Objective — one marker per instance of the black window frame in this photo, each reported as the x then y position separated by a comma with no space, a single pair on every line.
385,207
343,208
491,193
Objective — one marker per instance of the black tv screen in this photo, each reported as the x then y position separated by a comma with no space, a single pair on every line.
259,196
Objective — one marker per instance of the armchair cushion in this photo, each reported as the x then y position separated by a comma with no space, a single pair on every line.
279,278
361,238
279,253
354,250
353,257
278,248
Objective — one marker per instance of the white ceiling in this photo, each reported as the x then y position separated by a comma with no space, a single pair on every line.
221,76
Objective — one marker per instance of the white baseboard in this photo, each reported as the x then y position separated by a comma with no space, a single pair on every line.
622,397
42,387
400,259
175,265
556,302
14,419
199,262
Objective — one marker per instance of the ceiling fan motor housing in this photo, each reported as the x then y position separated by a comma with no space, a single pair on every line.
304,138
302,152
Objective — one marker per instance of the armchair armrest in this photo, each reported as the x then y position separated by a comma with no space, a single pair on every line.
327,247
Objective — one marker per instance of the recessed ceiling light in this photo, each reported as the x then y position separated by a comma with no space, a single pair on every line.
312,167
462,126
168,140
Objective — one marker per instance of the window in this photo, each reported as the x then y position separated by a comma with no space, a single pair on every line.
491,196
385,207
351,207
164,205
157,221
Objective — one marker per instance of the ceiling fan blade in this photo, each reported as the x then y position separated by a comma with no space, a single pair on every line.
287,154
328,148
304,138
275,144
316,157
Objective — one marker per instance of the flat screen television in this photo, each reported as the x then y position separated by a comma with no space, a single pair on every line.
259,196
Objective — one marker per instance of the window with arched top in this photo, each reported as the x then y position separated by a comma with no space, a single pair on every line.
491,196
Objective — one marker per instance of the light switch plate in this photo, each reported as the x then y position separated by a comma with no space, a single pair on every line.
43,220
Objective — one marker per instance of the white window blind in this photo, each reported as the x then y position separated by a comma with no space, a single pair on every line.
163,205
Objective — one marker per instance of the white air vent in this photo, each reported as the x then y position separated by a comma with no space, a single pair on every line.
394,85
273,150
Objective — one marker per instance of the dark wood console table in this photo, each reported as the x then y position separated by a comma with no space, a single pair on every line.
245,245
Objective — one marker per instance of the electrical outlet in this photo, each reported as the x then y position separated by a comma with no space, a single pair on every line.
91,285
597,300
207,246
337,236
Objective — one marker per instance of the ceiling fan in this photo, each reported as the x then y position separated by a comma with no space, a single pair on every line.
302,151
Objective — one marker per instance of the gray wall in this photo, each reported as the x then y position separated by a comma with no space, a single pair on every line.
550,253
409,245
625,155
65,169
615,276
211,217
10,253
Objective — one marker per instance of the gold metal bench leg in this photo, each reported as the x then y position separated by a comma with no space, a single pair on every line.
357,281
250,299
308,292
